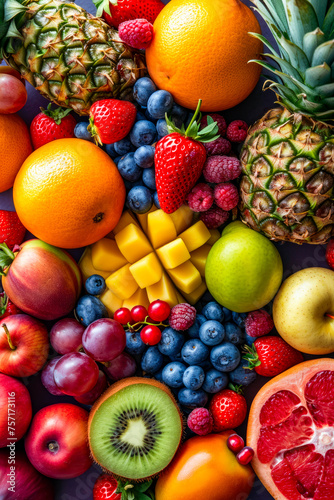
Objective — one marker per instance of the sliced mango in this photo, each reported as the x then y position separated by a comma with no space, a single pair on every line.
173,254
106,255
111,301
186,277
86,265
194,296
138,298
198,258
163,290
182,218
215,236
133,243
195,236
122,283
143,218
147,270
160,228
126,219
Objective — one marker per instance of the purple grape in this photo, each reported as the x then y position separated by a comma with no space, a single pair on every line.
66,336
90,397
104,339
121,367
47,377
76,373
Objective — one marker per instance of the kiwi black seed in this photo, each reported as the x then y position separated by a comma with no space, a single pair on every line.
135,432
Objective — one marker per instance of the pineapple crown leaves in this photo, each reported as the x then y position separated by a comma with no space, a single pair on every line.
304,59
6,258
207,134
103,6
56,114
12,13
138,491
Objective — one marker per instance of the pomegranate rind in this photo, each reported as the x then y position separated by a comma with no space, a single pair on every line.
294,380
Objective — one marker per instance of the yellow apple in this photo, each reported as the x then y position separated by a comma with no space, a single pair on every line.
304,310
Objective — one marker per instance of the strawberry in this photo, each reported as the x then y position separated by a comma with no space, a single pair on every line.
108,488
12,230
179,160
111,120
52,124
118,11
270,356
228,409
7,308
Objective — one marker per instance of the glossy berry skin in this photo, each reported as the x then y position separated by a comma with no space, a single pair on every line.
134,343
95,284
241,375
159,310
81,131
160,103
212,310
128,168
75,373
162,127
228,410
111,119
193,331
245,456
191,398
148,178
239,319
105,488
172,374
123,146
330,253
123,316
121,367
44,129
139,313
125,10
171,342
13,94
193,377
178,165
89,309
233,333
150,335
225,357
47,377
12,230
194,352
143,133
90,397
66,335
235,443
139,199
156,200
143,89
104,339
211,333
215,381
7,308
152,360
144,156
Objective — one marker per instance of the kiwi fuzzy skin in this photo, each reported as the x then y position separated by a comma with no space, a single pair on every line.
113,389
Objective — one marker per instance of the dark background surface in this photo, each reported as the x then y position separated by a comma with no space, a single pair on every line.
294,257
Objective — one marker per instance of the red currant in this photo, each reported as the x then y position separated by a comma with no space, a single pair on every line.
123,316
139,313
245,455
159,310
235,443
150,335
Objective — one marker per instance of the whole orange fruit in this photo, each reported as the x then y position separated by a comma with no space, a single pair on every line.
69,193
201,49
15,147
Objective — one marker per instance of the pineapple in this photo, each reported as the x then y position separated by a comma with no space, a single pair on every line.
70,56
287,186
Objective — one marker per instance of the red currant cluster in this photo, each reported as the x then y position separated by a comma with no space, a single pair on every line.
148,319
244,454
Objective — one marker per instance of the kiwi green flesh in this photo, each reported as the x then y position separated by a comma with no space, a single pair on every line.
135,432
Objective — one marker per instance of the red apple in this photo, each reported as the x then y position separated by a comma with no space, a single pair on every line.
15,409
57,443
24,345
42,280
19,480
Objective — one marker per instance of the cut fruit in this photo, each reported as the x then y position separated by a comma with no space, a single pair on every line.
135,428
291,429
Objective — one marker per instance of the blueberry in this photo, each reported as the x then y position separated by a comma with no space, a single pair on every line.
176,357
156,200
150,117
152,360
178,115
192,399
225,357
239,319
162,127
158,376
144,156
139,199
172,374
142,133
160,103
123,146
215,381
143,89
206,365
233,333
194,352
140,116
95,284
193,331
171,342
241,375
89,309
212,310
227,314
134,344
193,377
117,160
211,332
247,339
110,150
81,132
148,178
128,168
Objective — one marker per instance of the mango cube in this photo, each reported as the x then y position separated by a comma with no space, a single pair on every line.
215,236
133,243
195,236
126,219
198,258
122,283
139,297
147,270
106,256
173,254
186,277
86,265
194,296
163,290
160,228
143,218
182,218
180,298
111,301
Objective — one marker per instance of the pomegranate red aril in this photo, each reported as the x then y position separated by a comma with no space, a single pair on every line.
159,310
123,316
139,313
245,456
150,335
76,373
235,443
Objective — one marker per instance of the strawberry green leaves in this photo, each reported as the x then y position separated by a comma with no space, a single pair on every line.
138,491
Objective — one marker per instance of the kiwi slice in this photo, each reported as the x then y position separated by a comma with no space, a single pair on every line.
135,428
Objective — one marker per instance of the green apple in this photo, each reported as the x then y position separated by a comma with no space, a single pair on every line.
244,269
304,310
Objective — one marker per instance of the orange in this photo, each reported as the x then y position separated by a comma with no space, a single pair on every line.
201,50
205,469
15,146
69,193
291,429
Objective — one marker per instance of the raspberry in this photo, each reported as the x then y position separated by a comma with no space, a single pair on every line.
200,198
237,131
182,316
221,169
258,323
330,253
214,217
219,119
220,146
137,33
226,196
200,421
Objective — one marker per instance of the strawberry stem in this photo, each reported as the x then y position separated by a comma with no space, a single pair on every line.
11,345
194,117
251,356
6,258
